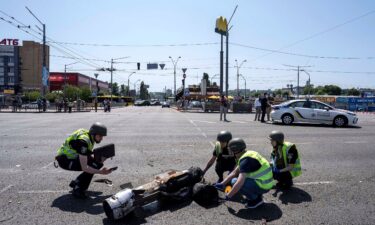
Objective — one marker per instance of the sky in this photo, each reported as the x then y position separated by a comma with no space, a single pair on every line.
151,31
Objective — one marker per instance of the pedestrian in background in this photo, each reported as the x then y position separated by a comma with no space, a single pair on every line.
223,108
269,107
264,104
258,110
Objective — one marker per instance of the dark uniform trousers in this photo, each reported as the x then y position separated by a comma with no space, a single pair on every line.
284,178
84,179
223,165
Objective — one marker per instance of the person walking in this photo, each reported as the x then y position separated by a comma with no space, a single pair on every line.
258,110
223,108
264,104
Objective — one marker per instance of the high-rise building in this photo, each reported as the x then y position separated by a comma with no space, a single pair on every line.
31,54
10,79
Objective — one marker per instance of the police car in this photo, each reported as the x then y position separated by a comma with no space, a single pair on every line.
312,111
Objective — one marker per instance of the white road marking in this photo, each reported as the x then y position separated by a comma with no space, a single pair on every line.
314,183
204,135
355,142
42,191
239,122
44,167
6,188
203,121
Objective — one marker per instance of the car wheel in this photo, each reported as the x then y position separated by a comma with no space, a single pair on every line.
287,119
340,121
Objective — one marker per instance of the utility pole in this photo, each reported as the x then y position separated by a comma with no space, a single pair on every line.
44,64
298,69
238,75
309,82
174,66
65,77
97,92
227,54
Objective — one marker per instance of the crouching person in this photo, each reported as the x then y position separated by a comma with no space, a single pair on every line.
76,154
285,159
254,175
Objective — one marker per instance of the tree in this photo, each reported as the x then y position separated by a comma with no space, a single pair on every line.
115,89
354,92
143,91
332,90
32,95
123,90
72,92
85,94
207,78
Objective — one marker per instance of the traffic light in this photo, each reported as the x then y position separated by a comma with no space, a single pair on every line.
138,66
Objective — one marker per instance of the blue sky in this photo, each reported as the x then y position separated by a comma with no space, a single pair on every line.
264,24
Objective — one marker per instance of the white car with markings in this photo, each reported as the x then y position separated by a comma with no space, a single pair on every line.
312,111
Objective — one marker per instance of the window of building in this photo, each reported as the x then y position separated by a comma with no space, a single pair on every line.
10,60
10,69
10,79
1,80
1,59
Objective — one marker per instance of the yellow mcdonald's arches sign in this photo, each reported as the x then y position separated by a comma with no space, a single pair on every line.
221,25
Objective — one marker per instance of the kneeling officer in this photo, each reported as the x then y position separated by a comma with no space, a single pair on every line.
254,175
285,159
76,154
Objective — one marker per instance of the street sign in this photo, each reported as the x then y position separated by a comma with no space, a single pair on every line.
152,66
186,92
184,70
9,91
162,66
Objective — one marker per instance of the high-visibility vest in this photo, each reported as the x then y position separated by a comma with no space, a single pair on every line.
296,171
68,151
263,176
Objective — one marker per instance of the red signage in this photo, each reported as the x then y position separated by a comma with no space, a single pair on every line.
7,41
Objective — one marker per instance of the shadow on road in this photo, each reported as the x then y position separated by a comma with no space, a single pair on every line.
313,125
294,196
266,213
91,205
139,215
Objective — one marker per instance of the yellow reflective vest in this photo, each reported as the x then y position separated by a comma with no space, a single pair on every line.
68,151
263,176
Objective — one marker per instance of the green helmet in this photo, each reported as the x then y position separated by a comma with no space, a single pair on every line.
224,136
237,145
277,136
98,128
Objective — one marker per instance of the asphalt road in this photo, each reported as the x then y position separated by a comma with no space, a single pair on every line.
337,185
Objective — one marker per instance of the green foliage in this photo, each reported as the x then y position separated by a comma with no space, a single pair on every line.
72,92
32,95
115,89
354,92
207,78
85,94
53,96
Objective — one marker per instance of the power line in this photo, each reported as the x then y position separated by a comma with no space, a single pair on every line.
320,33
138,45
301,55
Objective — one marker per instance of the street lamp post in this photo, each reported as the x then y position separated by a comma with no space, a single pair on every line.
128,82
245,84
97,91
214,77
238,75
111,70
135,84
65,75
174,66
309,82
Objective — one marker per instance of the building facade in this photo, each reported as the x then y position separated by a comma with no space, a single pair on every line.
10,77
57,80
31,54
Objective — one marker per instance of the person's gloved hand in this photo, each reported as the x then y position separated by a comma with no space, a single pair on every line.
275,170
219,186
227,198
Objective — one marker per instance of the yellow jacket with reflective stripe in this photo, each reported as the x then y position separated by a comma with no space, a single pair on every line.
263,176
68,151
296,171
